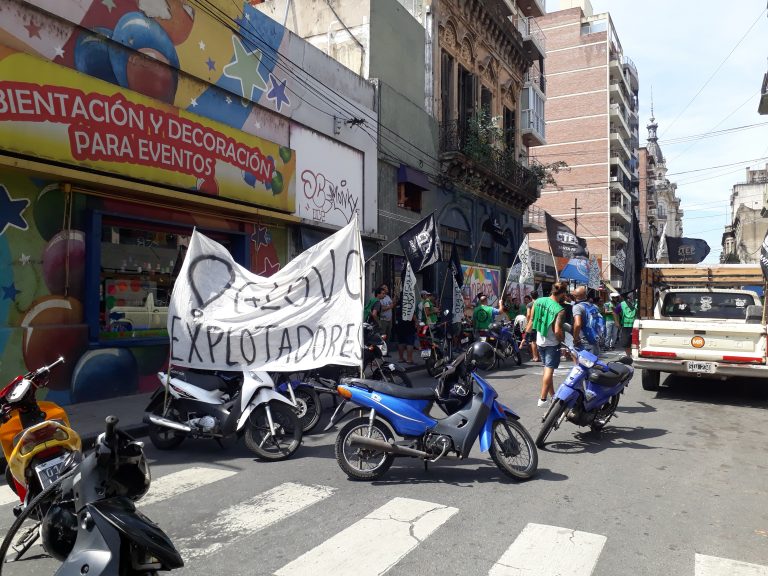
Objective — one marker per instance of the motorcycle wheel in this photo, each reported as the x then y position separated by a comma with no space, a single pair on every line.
363,463
287,438
604,413
513,451
164,438
308,408
551,422
393,376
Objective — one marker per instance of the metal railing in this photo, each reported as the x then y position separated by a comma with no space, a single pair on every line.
530,30
531,120
466,138
534,216
534,75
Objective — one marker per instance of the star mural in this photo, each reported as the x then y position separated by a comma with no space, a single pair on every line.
277,93
24,259
33,30
10,292
262,237
245,68
109,5
269,267
11,210
211,64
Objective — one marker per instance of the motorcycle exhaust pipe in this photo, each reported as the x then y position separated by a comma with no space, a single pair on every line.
386,447
160,421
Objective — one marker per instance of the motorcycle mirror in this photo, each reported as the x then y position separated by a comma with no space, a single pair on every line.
447,313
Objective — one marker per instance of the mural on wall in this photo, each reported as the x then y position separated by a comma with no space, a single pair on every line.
480,279
330,178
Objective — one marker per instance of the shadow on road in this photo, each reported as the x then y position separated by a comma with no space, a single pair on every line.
611,437
641,409
751,393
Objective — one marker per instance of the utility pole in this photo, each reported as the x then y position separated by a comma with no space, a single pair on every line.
576,216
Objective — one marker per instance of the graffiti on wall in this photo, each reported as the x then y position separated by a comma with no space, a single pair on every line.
322,197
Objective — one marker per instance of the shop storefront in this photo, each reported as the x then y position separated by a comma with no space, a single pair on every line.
100,189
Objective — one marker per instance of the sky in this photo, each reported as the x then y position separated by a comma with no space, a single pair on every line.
719,51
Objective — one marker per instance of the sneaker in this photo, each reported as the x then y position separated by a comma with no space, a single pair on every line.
542,403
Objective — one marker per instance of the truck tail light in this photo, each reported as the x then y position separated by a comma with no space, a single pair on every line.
744,359
654,354
635,337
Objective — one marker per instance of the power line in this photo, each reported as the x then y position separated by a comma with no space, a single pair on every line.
715,71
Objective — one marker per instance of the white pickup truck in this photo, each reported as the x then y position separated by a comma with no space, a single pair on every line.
706,332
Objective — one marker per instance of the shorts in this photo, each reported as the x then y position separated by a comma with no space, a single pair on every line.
550,356
625,336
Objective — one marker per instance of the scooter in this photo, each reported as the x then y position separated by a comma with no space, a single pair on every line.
37,441
366,446
92,525
589,394
501,336
216,405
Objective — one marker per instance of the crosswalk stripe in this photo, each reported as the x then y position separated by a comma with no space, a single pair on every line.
246,518
371,546
713,566
183,481
541,550
7,496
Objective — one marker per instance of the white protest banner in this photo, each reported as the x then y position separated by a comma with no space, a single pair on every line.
409,293
309,314
524,256
594,273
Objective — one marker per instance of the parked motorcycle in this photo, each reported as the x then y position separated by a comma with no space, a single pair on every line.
37,441
433,348
366,446
92,525
589,394
501,335
216,405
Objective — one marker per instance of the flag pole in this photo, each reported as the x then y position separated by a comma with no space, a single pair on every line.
557,274
362,288
516,258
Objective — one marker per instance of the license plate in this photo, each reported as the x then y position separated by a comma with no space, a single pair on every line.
701,367
426,353
465,340
49,471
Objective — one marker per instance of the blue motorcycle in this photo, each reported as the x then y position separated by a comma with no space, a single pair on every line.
589,395
501,336
366,446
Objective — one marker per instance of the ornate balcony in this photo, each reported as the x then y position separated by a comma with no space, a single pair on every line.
534,220
534,41
479,162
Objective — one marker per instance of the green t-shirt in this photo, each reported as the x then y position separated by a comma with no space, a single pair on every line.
628,313
483,316
545,310
430,314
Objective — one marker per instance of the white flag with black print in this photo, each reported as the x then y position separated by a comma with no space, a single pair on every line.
421,244
594,273
619,259
458,302
661,252
524,257
409,293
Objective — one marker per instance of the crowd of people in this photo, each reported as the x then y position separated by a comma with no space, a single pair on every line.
540,321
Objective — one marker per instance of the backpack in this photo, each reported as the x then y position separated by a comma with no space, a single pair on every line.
593,326
368,308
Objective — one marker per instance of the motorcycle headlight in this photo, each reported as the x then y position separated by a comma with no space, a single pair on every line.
586,360
383,348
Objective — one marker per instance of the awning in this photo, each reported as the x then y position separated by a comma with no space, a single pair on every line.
412,176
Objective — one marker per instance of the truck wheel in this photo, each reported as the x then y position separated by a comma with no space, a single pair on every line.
651,380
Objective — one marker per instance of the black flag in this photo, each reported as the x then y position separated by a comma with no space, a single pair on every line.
686,250
635,259
764,257
421,244
455,265
493,228
562,241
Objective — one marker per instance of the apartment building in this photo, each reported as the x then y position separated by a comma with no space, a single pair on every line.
743,237
592,125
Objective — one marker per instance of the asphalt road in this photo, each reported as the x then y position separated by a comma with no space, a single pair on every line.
675,486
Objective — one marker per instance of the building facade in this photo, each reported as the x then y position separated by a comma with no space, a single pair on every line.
744,236
123,126
659,208
460,100
592,126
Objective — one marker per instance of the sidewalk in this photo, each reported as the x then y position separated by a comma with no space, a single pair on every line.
87,418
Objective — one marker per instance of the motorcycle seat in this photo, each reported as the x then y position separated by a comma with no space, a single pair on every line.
422,393
209,381
616,373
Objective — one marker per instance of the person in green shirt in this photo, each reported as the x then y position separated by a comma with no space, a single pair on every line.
483,315
547,321
628,314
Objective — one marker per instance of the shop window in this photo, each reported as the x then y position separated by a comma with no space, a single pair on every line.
139,263
409,196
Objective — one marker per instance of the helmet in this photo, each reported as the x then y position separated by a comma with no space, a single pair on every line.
480,355
59,530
